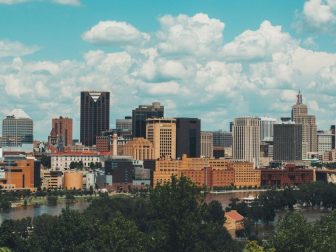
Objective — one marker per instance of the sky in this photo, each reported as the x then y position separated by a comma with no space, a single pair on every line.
215,60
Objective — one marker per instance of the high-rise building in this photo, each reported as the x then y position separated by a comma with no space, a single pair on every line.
141,114
222,138
206,144
161,132
309,128
17,129
62,128
324,141
266,128
333,132
246,139
94,115
124,124
287,144
188,137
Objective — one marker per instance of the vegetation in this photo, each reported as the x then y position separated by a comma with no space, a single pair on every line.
171,217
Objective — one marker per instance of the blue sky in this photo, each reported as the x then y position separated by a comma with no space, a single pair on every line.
210,59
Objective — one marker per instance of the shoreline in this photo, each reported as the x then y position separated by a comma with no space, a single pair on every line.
237,190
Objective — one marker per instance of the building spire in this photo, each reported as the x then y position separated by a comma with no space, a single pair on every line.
299,98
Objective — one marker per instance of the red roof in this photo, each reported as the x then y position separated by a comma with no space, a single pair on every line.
234,215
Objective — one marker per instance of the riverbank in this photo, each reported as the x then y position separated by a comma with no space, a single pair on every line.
237,191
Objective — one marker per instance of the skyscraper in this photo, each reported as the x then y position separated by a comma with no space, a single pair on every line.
124,124
94,115
222,138
161,132
188,137
309,128
206,144
62,127
246,139
287,145
266,128
17,129
141,114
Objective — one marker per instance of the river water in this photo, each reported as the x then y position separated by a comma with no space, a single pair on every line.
81,205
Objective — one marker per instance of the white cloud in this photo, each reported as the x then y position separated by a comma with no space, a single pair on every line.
196,35
259,44
68,2
317,16
245,80
14,48
113,32
12,1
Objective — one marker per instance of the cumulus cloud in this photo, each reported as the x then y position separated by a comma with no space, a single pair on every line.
12,1
113,32
14,48
317,16
259,72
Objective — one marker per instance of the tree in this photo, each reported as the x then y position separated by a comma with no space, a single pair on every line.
252,246
293,233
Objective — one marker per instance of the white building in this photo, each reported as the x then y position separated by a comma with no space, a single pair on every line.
246,139
324,141
62,161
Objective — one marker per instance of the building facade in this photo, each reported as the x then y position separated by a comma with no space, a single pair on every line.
222,138
266,128
206,144
246,139
309,128
287,144
139,149
62,128
94,115
17,129
141,114
188,137
161,132
62,161
324,141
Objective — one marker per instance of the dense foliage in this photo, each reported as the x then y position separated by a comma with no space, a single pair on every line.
171,217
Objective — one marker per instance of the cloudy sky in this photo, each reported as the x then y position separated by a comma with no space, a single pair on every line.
214,59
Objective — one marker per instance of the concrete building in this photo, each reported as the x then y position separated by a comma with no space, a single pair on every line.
62,129
139,149
94,115
61,161
246,139
141,114
73,180
309,128
51,179
206,144
287,145
222,138
20,174
324,141
266,128
161,132
17,129
124,124
188,137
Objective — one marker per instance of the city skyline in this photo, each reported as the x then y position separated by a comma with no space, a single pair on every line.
225,66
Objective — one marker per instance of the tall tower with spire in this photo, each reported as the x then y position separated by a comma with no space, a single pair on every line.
309,128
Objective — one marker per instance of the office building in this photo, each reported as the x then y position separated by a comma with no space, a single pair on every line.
207,172
94,115
62,161
188,137
324,141
124,124
309,129
61,133
141,114
246,139
17,129
287,144
161,132
222,138
139,149
266,128
206,144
